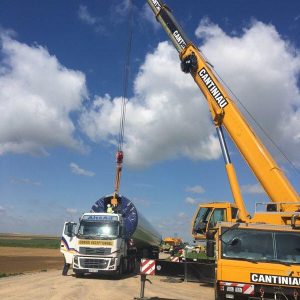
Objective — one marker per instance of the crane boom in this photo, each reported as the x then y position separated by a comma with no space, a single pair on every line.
225,112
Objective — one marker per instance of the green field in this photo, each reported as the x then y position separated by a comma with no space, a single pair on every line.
28,241
7,275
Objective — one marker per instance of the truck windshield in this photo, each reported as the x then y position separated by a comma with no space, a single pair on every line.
99,230
256,245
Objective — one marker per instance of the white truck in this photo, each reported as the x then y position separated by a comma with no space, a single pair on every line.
108,243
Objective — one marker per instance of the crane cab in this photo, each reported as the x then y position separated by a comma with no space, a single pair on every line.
208,214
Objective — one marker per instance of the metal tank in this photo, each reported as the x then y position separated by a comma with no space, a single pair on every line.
136,226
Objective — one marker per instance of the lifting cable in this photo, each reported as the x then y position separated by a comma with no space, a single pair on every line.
235,97
119,154
272,141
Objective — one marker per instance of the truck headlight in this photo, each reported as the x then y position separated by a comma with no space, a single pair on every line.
230,289
76,260
238,290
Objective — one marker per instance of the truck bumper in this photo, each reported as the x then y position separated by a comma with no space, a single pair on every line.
90,264
94,271
241,291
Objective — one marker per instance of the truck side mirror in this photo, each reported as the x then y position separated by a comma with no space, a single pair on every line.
70,229
210,248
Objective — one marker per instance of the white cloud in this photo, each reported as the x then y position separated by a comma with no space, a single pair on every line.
2,209
72,210
197,189
37,94
252,189
165,119
25,181
123,7
190,200
141,202
37,216
175,225
182,215
262,69
148,15
79,171
85,16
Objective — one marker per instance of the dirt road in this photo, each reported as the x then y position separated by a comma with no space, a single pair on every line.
51,285
42,279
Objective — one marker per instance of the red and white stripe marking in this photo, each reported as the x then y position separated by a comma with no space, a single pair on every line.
247,289
174,259
147,266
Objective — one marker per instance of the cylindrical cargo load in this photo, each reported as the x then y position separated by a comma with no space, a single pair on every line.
136,226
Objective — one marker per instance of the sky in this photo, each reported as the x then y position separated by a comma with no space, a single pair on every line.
61,88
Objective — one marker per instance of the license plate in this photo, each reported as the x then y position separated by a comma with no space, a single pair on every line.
93,270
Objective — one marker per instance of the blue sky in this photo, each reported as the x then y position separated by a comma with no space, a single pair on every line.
61,69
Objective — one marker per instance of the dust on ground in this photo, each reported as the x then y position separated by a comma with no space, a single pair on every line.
51,285
41,279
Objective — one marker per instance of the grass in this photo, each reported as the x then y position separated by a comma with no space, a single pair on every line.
194,255
2,275
30,242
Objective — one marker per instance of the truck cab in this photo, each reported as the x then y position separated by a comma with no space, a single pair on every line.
97,245
256,261
208,214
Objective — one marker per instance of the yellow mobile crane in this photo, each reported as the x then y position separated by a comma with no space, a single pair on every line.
226,114
257,257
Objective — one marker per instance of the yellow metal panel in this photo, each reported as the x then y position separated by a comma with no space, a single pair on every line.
256,155
95,243
240,271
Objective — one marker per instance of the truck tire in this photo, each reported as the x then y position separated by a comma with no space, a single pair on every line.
65,269
155,253
78,274
217,295
145,253
131,265
121,267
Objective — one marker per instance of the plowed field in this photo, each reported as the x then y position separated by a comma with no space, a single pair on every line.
19,260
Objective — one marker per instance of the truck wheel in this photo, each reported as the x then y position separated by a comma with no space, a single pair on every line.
217,295
79,274
155,253
131,265
121,268
145,253
65,269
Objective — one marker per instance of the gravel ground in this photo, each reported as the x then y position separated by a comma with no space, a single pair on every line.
51,285
42,279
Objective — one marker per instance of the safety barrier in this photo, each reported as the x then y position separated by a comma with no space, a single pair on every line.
203,271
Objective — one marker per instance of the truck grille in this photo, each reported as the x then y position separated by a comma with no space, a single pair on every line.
89,263
94,251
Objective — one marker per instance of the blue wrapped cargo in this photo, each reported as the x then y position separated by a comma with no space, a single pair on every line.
136,226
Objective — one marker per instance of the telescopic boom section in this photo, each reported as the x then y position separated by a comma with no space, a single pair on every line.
225,113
